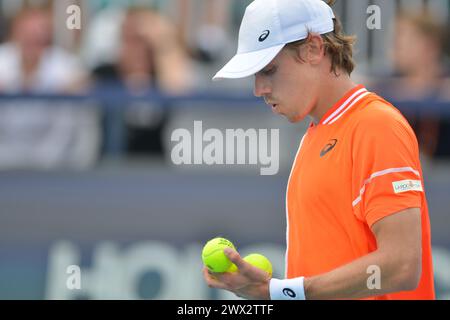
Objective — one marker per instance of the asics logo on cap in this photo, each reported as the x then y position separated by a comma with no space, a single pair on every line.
264,35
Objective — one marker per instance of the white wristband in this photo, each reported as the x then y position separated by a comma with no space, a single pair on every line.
287,289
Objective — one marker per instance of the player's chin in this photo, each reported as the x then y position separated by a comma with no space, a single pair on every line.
293,119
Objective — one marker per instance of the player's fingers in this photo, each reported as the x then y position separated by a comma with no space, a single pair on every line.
211,281
243,266
234,256
246,269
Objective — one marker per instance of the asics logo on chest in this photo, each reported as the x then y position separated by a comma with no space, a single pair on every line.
328,147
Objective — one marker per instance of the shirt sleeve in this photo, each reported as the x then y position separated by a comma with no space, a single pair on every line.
386,173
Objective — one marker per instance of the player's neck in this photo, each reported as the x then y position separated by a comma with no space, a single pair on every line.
331,92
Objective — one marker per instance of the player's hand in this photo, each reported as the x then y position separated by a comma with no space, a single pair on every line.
248,282
157,31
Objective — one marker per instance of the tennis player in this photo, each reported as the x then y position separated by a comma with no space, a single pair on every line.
357,216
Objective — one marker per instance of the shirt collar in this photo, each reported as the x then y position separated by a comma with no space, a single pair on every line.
344,104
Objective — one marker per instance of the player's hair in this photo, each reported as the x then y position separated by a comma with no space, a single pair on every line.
338,46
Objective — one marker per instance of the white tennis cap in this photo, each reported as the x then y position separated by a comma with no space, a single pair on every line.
268,25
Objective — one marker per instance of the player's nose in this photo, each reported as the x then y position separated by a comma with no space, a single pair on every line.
261,87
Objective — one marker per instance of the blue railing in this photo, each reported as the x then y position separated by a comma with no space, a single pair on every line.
113,103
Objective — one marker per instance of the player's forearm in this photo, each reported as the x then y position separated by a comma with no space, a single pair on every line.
358,280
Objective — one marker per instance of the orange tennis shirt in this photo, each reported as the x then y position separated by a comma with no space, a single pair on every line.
359,164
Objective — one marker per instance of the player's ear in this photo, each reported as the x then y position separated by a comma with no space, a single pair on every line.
315,49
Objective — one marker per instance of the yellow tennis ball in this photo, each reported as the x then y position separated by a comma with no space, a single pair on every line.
232,268
257,260
213,256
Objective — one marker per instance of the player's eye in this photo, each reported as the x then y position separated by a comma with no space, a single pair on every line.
269,71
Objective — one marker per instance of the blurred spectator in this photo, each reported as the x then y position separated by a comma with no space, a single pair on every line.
421,70
34,134
150,57
207,30
29,62
210,39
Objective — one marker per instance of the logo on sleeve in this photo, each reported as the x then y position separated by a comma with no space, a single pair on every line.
330,145
407,185
289,292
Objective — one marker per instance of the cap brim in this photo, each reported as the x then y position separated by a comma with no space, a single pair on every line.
246,64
